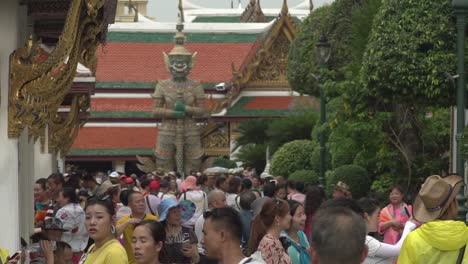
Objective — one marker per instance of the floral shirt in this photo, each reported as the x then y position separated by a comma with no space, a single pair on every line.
273,251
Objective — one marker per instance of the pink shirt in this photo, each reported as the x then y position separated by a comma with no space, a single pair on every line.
389,213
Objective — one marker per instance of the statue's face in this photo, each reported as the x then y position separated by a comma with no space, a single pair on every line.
180,66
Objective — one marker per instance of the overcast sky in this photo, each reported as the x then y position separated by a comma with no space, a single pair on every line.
166,10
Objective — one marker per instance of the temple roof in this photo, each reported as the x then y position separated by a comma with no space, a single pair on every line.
114,141
238,54
142,60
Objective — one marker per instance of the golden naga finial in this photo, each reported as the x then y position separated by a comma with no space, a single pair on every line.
181,12
285,8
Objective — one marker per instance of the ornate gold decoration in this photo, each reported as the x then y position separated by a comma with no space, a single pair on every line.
273,68
253,13
216,140
38,85
271,56
64,130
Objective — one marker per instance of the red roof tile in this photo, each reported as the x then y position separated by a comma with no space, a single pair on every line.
130,104
115,138
143,62
270,102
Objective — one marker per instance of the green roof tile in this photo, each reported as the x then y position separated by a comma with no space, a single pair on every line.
223,19
110,152
155,37
138,85
238,109
121,114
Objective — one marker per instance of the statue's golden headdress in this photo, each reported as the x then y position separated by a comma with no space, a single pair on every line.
179,41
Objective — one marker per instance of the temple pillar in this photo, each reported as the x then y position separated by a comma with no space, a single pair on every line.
12,26
44,162
119,165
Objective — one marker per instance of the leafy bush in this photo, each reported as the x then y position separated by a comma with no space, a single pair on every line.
225,163
410,48
306,176
291,157
355,176
335,21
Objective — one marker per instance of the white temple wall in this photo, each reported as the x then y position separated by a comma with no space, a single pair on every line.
44,163
9,191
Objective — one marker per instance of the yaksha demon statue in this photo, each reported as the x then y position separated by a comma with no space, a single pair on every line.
177,101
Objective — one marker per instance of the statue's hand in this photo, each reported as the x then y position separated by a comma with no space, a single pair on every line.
179,114
180,106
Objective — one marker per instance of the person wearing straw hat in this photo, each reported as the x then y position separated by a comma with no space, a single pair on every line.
341,190
440,239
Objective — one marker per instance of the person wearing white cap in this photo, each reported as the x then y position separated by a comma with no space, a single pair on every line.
114,177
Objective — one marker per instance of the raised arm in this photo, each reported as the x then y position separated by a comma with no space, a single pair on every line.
387,250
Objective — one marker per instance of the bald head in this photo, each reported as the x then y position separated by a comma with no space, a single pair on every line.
216,199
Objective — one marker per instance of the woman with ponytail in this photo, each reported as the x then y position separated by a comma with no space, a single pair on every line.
266,229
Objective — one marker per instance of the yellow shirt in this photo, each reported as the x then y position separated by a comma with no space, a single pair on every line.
111,252
128,232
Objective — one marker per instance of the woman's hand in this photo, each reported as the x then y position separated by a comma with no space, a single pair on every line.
397,225
191,252
48,251
16,259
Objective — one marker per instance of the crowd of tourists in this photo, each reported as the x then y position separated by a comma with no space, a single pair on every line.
112,218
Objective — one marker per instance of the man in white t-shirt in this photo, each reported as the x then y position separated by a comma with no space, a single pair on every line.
222,232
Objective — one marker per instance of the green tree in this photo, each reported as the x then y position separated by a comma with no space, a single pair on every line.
295,126
255,135
335,21
252,132
292,156
411,47
224,162
252,155
376,119
306,176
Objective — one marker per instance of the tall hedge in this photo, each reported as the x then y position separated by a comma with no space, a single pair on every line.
305,176
291,157
411,46
335,21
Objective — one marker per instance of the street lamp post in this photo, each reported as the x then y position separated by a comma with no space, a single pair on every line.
460,8
323,50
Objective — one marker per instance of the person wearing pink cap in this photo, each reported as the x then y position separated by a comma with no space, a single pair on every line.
191,192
